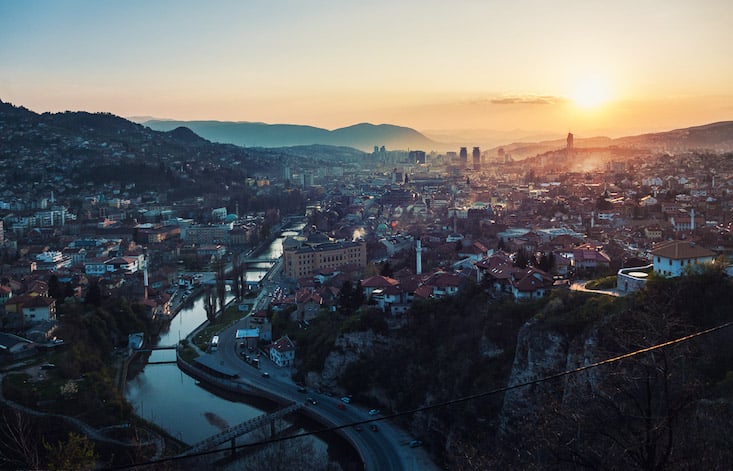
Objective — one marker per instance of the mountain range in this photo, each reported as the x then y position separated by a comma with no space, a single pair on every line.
715,136
362,136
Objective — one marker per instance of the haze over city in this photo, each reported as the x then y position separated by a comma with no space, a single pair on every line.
443,68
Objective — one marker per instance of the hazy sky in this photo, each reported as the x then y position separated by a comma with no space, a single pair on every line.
593,67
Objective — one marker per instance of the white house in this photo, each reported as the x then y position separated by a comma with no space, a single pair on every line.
282,352
671,258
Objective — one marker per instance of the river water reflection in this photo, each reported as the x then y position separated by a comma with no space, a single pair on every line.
167,397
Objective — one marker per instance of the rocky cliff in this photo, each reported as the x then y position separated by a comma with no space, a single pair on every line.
349,349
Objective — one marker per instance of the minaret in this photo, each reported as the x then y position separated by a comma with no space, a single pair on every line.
145,281
418,258
692,219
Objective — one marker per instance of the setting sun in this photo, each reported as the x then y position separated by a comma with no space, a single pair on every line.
591,93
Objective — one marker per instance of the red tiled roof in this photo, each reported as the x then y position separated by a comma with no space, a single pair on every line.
283,344
681,249
379,282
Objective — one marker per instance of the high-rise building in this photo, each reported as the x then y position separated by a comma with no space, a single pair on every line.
463,155
417,156
569,146
476,158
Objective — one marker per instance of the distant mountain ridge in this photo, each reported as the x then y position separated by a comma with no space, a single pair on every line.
716,137
363,136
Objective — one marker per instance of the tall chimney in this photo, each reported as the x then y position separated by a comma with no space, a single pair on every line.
418,258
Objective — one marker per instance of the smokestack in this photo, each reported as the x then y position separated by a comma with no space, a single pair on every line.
418,258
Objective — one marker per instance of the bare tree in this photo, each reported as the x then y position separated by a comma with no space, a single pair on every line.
18,441
221,283
210,305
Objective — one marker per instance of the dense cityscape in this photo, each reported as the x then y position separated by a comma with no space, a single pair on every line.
372,236
366,236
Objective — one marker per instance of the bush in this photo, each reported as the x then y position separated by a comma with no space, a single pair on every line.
608,282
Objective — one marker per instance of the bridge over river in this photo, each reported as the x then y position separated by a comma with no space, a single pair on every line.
247,426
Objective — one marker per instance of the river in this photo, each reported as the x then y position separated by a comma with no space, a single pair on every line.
162,394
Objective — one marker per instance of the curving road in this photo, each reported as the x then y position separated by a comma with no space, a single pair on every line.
384,449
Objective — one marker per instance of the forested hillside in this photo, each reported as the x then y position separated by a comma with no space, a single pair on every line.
656,410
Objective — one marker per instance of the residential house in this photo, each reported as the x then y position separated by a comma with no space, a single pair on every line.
502,276
387,293
530,283
308,304
588,258
674,257
282,352
32,308
444,284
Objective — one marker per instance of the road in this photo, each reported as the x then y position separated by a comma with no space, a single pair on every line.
384,449
580,286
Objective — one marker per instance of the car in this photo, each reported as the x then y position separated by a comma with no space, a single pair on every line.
374,412
48,366
415,443
265,374
302,389
346,400
373,427
340,406
311,401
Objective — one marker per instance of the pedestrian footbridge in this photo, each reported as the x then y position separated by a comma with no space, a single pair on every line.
247,426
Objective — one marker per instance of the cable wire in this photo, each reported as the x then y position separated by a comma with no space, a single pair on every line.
444,403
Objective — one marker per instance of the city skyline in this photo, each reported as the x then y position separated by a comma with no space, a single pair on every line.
615,69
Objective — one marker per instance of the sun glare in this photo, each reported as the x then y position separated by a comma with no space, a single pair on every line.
591,93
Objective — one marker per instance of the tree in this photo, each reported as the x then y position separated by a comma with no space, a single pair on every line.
221,291
18,441
76,453
94,294
521,260
54,288
386,270
210,305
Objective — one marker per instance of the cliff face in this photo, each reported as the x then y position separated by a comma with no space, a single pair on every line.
539,353
349,349
658,407
542,352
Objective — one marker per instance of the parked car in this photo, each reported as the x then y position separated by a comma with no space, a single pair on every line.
374,412
415,443
346,400
340,406
302,389
311,401
265,374
373,427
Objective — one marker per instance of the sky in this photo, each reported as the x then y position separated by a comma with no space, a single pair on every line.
441,67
